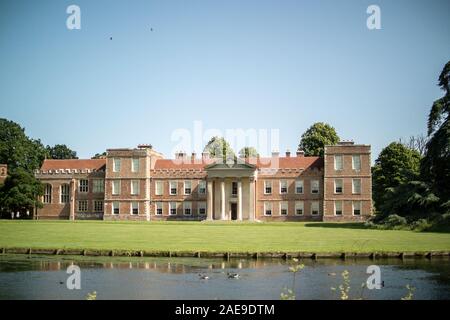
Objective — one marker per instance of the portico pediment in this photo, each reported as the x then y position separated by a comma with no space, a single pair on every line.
233,169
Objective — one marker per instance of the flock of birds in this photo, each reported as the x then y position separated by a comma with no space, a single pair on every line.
230,275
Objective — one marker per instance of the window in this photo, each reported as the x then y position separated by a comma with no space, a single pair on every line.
134,207
98,205
267,208
48,193
314,186
338,208
267,187
159,208
356,208
338,184
187,187
202,187
356,186
338,165
158,188
283,187
356,162
315,208
83,185
116,187
299,207
98,185
115,207
173,187
65,193
135,165
173,208
284,208
234,189
116,164
202,208
187,208
299,186
82,205
134,187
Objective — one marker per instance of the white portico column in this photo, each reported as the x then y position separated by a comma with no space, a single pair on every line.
251,213
209,203
239,204
222,199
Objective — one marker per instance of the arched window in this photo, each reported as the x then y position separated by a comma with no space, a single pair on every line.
48,193
65,193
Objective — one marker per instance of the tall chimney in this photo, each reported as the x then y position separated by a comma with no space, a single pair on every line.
193,156
288,153
275,154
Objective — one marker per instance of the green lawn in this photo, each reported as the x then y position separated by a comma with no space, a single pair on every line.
215,236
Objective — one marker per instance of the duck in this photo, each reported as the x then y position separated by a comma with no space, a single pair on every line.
203,276
232,275
332,274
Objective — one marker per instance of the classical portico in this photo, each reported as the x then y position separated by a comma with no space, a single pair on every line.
231,191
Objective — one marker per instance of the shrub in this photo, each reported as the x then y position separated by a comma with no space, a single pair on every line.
395,221
421,225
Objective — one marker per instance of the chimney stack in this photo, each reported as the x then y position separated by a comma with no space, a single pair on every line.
275,154
300,153
180,155
193,155
205,155
288,153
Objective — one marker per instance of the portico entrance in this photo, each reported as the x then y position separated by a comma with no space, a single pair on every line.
234,213
231,191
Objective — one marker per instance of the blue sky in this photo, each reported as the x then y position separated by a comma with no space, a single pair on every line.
230,64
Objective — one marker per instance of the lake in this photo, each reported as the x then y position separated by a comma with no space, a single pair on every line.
44,277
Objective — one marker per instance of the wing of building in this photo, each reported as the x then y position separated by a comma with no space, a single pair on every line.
139,184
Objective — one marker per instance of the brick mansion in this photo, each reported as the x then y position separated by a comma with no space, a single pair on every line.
140,184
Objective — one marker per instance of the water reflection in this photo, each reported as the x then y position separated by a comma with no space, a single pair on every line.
43,277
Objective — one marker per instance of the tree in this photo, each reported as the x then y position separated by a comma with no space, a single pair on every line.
17,150
219,148
61,151
316,138
435,166
99,155
395,166
20,193
418,143
248,152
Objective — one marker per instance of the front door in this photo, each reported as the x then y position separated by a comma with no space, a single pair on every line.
233,211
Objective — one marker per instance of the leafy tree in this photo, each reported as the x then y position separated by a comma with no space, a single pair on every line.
20,193
248,152
99,155
396,165
219,148
17,150
435,166
61,151
316,138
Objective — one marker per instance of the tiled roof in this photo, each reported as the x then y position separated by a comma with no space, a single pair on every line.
186,164
279,162
79,164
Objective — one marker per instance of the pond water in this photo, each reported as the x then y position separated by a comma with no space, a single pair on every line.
44,277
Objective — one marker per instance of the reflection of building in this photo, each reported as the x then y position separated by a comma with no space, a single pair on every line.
3,172
139,184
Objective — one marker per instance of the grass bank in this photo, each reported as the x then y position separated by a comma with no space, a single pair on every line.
215,237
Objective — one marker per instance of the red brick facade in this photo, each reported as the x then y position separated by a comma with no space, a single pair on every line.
139,184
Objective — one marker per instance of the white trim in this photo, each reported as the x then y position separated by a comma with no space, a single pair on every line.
159,184
318,186
342,185
170,187
300,205
318,208
335,162
353,185
267,203
184,187
171,203
131,208
134,192
353,207
117,164
342,207
284,205
266,183
287,186
156,208
115,192
187,205
298,181
85,187
353,162
112,208
135,168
